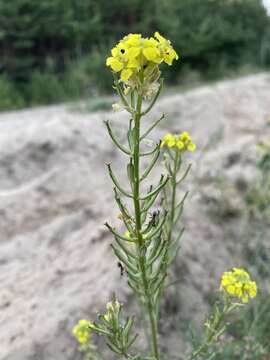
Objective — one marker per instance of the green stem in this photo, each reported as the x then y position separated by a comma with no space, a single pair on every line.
173,197
138,226
209,340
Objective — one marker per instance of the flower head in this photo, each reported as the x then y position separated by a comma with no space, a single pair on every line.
180,142
135,55
113,308
237,283
82,331
167,51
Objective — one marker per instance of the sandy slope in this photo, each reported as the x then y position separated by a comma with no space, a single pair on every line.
55,260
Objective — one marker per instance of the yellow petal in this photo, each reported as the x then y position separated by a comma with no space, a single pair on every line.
152,54
191,147
115,64
126,74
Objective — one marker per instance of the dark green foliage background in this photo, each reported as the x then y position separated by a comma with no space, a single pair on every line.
54,50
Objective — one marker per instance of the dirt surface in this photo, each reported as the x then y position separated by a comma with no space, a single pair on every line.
56,264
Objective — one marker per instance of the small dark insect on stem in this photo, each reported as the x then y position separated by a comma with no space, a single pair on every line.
121,268
154,218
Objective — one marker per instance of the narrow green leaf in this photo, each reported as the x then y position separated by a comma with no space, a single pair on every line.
147,153
121,256
115,141
155,248
151,127
159,254
114,348
179,208
121,206
130,172
116,183
162,183
117,234
135,289
152,163
175,253
159,284
132,340
127,327
130,136
125,249
185,174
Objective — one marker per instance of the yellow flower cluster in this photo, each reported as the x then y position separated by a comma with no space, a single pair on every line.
237,283
82,331
182,142
135,54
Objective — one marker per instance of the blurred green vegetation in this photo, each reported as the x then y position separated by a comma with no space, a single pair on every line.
54,50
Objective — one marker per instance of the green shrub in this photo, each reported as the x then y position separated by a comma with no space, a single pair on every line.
9,96
45,88
213,35
87,75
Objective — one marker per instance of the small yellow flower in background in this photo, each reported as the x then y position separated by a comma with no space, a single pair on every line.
263,147
237,283
135,54
127,234
168,140
116,107
181,142
82,331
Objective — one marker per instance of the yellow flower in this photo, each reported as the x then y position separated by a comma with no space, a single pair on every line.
237,283
82,331
115,64
169,54
168,140
133,39
191,147
185,136
133,55
181,142
126,74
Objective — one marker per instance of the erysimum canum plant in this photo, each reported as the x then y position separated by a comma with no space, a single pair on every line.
149,244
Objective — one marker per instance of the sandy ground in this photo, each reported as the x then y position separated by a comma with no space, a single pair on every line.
56,265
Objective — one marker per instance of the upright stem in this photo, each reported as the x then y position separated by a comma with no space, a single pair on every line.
173,198
140,245
213,333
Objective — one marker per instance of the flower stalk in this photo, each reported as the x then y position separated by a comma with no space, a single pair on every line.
215,326
138,227
143,262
